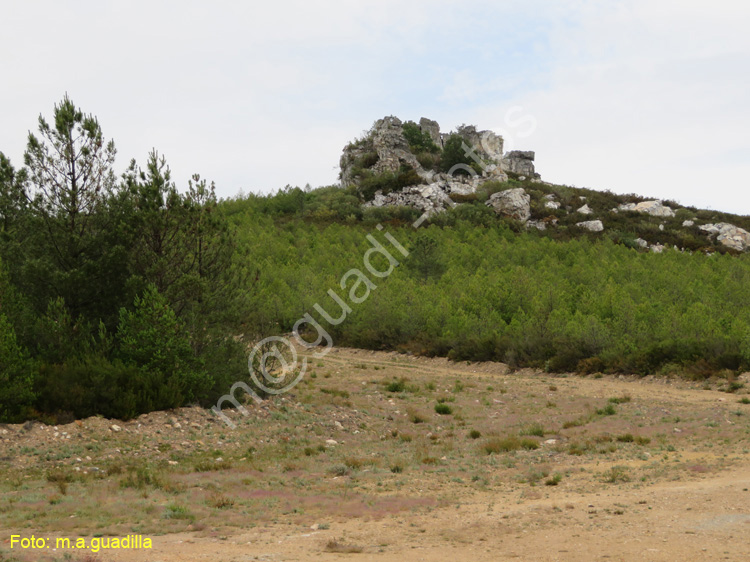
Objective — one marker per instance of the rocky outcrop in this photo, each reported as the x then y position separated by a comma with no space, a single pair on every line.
585,210
432,128
385,149
514,203
431,198
485,143
591,226
520,162
391,146
729,235
654,208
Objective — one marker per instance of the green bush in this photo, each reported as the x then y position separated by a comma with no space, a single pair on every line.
83,387
419,141
151,338
454,154
443,409
388,181
16,376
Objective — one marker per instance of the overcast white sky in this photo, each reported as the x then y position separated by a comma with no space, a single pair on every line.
645,96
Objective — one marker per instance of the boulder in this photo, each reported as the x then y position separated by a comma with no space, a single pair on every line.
552,205
688,223
514,203
520,162
592,226
654,208
585,210
539,225
729,235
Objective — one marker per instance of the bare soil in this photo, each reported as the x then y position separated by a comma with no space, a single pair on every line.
355,462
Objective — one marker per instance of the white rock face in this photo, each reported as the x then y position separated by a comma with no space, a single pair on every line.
641,242
430,198
585,210
520,162
688,223
552,205
592,226
515,203
731,236
654,208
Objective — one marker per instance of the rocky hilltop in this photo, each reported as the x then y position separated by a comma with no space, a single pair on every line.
385,149
409,164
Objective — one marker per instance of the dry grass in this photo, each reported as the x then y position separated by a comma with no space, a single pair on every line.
340,547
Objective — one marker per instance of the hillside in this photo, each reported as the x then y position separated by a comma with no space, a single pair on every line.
503,266
118,297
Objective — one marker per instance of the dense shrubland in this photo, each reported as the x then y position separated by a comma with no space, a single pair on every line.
475,289
122,295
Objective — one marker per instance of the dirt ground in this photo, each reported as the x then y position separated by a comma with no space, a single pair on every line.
381,456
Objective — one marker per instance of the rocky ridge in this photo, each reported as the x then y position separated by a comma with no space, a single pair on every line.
385,149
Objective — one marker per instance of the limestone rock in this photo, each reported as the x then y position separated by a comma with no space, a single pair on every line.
592,226
729,235
430,198
485,143
654,208
688,223
385,149
585,210
432,128
642,243
515,203
520,162
392,147
552,205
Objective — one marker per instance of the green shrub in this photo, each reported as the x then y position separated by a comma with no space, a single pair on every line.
419,141
387,181
396,385
151,338
454,155
608,410
443,409
16,376
504,445
535,429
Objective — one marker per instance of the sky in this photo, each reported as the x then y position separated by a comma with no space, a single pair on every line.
634,96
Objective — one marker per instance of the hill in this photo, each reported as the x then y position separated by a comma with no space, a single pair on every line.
502,266
119,297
